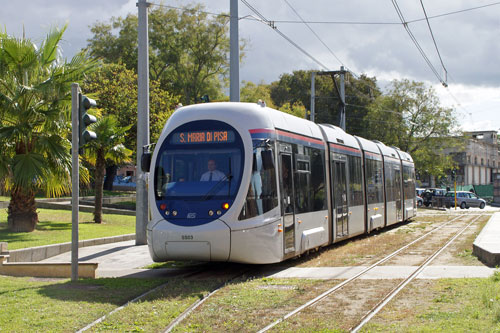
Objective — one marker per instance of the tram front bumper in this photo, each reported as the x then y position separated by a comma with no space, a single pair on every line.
208,242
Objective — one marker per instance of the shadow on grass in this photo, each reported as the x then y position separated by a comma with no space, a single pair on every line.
107,291
118,291
53,226
179,284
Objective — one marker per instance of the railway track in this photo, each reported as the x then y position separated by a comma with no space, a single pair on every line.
450,225
189,274
382,302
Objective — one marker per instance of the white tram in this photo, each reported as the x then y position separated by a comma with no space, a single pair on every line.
244,183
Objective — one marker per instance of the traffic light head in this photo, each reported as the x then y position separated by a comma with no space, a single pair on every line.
85,120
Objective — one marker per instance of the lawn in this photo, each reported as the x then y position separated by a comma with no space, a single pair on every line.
54,227
59,305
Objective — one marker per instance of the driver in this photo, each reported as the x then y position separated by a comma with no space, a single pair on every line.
212,174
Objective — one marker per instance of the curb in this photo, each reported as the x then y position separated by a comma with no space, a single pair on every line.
38,253
486,246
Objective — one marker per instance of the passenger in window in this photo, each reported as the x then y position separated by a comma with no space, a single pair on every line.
212,174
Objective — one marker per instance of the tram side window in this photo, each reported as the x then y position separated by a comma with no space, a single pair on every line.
262,195
355,180
318,190
409,182
374,179
310,180
302,184
389,181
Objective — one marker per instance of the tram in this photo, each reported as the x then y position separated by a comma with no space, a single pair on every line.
241,182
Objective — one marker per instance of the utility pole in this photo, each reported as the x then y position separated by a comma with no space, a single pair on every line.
340,92
342,98
234,54
141,219
313,95
75,179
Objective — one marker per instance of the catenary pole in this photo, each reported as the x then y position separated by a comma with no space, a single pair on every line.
142,123
313,95
342,98
234,54
75,179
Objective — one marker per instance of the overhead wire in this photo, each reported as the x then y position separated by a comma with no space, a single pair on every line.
273,26
417,45
369,84
434,40
314,32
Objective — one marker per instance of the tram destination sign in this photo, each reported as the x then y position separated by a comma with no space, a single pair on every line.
202,137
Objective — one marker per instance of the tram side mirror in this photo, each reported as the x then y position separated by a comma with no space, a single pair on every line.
267,159
146,161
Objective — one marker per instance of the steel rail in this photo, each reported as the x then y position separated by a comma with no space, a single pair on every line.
199,302
410,278
353,278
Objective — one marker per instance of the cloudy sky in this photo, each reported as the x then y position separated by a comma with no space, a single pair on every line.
365,36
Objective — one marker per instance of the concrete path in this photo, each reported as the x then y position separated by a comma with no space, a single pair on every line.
385,272
124,259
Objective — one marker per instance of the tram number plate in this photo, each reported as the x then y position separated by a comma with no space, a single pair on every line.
187,237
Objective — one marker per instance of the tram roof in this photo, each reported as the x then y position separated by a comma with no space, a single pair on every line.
387,151
337,135
368,145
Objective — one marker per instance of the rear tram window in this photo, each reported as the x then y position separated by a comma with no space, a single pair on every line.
409,181
262,195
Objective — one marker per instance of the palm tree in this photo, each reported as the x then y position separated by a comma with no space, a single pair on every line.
108,147
35,119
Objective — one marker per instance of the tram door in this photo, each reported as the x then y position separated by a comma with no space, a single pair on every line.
287,202
340,198
398,194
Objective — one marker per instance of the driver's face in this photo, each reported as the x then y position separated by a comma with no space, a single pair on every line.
211,165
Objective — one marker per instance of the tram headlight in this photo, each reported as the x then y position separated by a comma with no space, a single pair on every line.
225,205
167,212
219,212
163,206
210,213
174,213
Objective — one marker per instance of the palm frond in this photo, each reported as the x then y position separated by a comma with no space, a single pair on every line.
27,169
50,46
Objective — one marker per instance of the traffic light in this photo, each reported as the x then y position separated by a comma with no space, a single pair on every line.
85,120
205,98
453,174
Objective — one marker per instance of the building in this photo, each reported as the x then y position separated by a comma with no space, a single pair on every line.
479,160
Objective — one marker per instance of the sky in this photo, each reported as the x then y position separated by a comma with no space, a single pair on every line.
365,36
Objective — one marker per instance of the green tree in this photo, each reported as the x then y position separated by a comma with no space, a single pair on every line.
411,117
251,93
296,87
35,113
108,148
115,89
188,49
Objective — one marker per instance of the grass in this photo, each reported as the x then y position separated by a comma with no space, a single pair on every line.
447,305
247,306
158,310
83,193
126,204
59,305
54,227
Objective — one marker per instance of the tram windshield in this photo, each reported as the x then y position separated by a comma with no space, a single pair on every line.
200,161
200,174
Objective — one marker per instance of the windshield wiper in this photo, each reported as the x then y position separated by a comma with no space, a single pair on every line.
210,194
